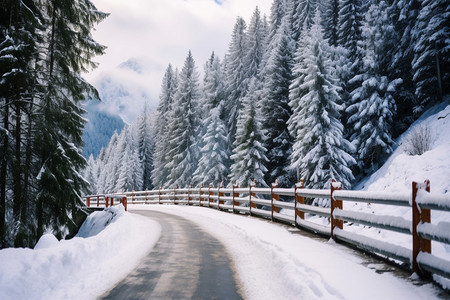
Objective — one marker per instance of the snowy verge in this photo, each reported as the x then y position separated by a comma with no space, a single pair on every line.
108,246
401,169
273,263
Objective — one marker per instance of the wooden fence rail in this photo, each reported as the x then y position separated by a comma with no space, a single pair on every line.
293,209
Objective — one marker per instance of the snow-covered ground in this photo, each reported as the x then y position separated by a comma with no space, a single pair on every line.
274,263
271,262
108,247
401,169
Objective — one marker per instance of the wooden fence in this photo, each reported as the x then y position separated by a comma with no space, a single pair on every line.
266,203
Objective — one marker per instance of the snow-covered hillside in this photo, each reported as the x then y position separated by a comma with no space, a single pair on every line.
401,169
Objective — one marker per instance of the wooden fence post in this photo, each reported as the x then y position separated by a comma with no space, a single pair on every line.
220,194
124,202
235,195
273,197
250,195
88,202
106,201
419,216
112,201
189,194
159,195
299,200
146,196
209,195
175,195
132,197
335,204
200,195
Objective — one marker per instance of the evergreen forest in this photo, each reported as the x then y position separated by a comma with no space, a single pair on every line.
317,90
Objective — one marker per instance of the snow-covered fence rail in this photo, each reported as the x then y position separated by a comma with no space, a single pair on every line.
290,206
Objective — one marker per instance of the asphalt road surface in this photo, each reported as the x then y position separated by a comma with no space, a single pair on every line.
186,263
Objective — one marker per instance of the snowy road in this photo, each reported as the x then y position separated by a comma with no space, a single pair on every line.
274,262
186,263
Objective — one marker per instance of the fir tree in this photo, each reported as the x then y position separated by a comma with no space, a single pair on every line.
160,172
248,156
214,165
256,45
303,14
145,148
403,15
330,20
431,63
182,152
373,107
235,74
320,152
275,106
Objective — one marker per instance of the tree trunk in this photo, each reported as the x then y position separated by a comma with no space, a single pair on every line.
17,176
3,169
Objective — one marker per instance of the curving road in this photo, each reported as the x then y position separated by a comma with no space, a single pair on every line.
186,263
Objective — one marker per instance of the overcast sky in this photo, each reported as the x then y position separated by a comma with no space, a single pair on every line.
162,31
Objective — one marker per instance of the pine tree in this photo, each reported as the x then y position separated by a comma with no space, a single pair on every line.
303,14
235,74
373,108
330,20
160,172
431,63
275,106
70,52
19,43
248,156
145,146
403,15
349,33
214,165
182,153
256,46
320,152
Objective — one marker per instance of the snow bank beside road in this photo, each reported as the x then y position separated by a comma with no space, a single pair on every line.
273,263
108,246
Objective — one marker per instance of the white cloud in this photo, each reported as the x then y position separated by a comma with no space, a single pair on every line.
162,31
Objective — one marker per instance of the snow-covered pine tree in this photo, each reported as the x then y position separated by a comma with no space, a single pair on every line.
403,15
130,172
169,85
431,63
235,75
248,156
182,152
278,10
144,140
214,163
20,27
302,16
330,21
256,45
320,152
373,106
349,33
275,108
69,50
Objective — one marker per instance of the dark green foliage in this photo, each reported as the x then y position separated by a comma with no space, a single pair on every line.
44,47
